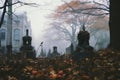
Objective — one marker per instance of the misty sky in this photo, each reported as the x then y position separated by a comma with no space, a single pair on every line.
40,22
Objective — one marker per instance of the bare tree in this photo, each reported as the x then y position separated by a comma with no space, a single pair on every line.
68,20
93,8
69,23
68,31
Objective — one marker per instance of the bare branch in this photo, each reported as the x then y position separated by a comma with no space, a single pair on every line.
68,5
99,10
95,14
63,29
29,4
90,11
100,4
5,5
8,5
103,5
22,3
3,13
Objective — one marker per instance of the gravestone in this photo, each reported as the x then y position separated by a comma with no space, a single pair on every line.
27,50
83,49
49,53
70,49
55,52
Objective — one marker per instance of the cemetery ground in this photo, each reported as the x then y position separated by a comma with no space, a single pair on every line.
104,65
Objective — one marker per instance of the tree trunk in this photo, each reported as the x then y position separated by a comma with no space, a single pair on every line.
114,24
9,29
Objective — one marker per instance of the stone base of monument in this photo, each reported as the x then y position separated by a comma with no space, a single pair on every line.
82,53
28,52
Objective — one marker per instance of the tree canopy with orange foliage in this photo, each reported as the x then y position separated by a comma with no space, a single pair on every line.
76,15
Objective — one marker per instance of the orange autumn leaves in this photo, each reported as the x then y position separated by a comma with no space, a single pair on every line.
54,74
67,6
72,6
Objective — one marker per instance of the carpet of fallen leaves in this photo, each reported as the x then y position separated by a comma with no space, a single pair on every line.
104,65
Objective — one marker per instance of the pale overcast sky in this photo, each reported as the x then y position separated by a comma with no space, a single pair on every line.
37,15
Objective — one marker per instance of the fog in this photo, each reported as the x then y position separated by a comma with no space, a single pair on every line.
40,24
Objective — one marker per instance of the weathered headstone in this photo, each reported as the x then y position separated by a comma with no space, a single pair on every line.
70,49
54,53
27,49
49,53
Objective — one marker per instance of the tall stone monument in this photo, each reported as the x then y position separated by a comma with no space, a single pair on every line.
27,49
83,49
